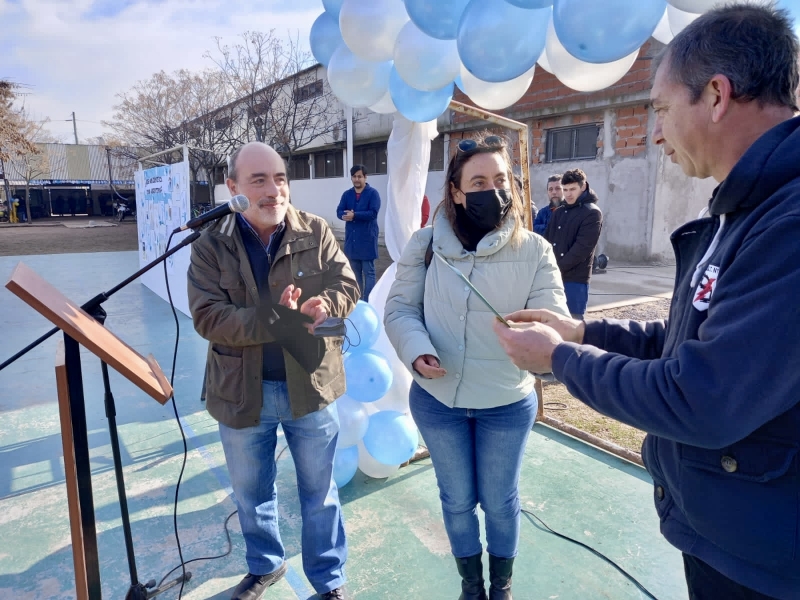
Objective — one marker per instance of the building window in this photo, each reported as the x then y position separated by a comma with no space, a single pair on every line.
222,123
308,91
372,156
300,168
436,163
328,164
572,143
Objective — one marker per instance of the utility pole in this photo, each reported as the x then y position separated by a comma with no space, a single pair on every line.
75,128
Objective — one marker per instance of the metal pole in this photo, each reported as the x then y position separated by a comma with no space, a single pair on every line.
5,185
75,128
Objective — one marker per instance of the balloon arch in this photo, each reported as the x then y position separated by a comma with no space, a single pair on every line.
405,57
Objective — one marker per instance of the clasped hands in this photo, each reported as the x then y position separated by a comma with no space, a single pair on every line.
529,342
315,307
348,215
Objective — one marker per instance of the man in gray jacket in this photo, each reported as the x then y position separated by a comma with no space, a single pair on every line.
241,268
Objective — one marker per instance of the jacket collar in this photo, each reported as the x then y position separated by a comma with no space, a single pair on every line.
296,229
447,244
769,164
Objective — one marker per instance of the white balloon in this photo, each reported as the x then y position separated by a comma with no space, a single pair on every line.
544,63
423,62
495,96
693,6
370,27
384,106
353,421
371,467
355,81
663,33
679,19
583,76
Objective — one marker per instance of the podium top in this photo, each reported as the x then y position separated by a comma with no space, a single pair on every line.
144,372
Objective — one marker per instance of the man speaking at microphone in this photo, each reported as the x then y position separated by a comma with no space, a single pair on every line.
240,268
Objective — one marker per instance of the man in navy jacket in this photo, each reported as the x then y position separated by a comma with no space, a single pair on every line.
359,208
717,386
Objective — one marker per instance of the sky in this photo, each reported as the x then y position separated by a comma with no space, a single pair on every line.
77,55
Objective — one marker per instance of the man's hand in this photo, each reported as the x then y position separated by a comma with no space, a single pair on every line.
570,330
529,345
290,296
348,215
315,307
428,366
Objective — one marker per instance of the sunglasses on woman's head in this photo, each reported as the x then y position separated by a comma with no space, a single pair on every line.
492,141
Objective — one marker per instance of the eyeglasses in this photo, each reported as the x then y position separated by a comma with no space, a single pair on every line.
492,141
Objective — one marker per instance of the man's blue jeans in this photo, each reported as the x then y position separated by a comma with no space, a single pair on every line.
365,276
250,454
477,456
577,298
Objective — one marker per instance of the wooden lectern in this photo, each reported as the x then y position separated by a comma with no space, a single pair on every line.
80,329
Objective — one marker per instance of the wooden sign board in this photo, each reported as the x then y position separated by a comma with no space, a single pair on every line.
144,372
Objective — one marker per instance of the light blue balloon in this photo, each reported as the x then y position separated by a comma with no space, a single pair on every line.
438,18
391,438
345,465
602,32
498,41
416,105
459,83
368,375
531,3
325,38
332,7
353,421
363,327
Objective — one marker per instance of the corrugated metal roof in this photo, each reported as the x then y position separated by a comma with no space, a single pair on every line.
70,162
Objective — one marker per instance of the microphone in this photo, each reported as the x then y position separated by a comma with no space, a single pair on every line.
237,204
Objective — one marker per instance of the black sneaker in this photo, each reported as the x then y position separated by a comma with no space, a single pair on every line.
252,587
337,594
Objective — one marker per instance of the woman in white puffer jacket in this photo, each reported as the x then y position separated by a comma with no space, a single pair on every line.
473,407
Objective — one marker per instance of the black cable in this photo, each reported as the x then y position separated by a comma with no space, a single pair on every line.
625,574
223,555
180,426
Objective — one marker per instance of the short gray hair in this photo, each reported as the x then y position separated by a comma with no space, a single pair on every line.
232,158
754,46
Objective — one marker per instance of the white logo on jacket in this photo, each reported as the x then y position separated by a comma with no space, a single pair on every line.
705,289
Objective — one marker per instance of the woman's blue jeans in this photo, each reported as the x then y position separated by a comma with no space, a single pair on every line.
250,454
477,456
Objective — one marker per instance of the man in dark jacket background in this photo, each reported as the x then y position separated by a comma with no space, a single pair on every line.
717,387
573,230
555,196
359,208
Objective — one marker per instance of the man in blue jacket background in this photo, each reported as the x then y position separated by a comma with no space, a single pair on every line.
555,195
717,387
359,208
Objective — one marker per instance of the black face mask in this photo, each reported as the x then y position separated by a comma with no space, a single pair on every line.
488,207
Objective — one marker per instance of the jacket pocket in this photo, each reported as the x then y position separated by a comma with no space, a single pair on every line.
234,286
225,377
332,365
745,498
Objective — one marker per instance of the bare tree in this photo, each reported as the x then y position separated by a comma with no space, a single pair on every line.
166,111
12,135
285,102
31,161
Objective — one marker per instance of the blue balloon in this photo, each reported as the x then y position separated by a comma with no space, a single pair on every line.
459,83
498,41
602,32
531,3
369,376
332,7
416,105
345,464
363,327
325,38
391,437
438,18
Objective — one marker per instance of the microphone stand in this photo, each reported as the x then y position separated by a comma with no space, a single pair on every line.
138,590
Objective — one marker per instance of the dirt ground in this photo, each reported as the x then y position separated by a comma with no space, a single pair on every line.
71,234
